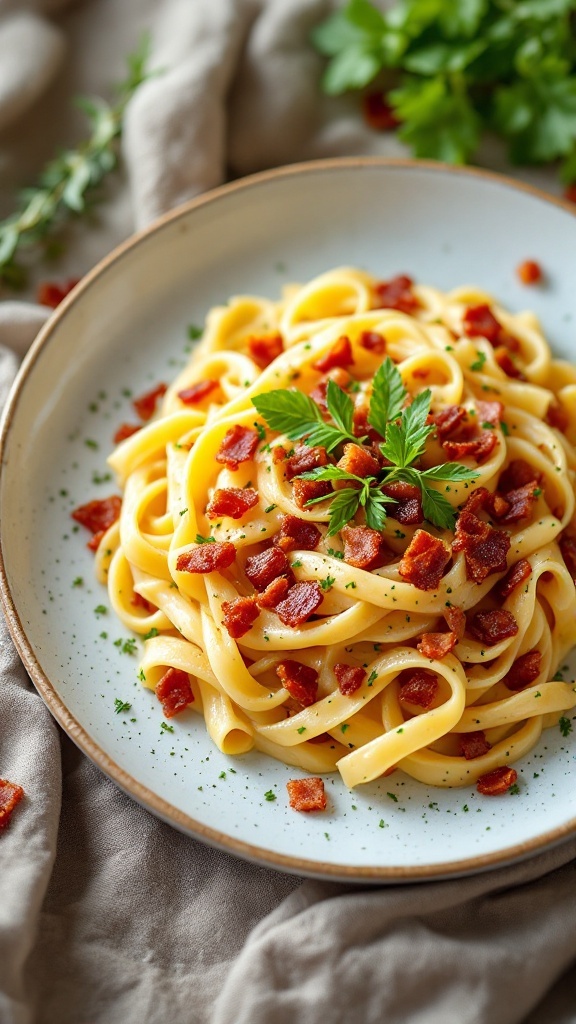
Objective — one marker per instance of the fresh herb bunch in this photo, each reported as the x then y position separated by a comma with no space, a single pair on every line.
455,68
405,432
68,184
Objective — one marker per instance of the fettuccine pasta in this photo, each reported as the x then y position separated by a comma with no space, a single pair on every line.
354,603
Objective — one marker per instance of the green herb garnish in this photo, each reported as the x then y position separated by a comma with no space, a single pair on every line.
120,706
565,726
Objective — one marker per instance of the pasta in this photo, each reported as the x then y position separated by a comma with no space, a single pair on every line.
343,597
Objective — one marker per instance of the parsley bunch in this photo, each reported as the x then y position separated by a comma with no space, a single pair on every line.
454,68
405,432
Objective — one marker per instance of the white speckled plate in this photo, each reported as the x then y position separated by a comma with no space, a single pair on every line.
124,328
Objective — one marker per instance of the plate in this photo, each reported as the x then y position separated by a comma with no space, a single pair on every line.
123,329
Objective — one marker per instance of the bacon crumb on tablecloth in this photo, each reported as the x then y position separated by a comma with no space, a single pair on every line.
349,677
238,445
300,680
239,615
145,405
10,796
234,502
300,603
207,558
497,782
424,561
174,692
307,794
473,744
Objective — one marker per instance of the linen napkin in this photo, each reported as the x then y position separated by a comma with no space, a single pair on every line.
108,916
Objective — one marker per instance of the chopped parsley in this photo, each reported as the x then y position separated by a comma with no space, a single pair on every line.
270,795
120,706
565,726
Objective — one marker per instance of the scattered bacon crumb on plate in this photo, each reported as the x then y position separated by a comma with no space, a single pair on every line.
307,794
530,272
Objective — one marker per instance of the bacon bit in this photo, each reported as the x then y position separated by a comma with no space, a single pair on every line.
498,505
268,565
266,349
397,294
307,490
372,342
497,782
98,515
570,193
238,445
239,615
307,794
479,448
519,503
197,392
490,412
530,272
437,645
491,628
480,322
278,453
305,459
408,511
358,461
558,417
448,420
349,677
568,549
174,692
517,574
505,362
524,671
485,548
231,501
378,113
211,557
456,620
340,377
474,744
49,293
340,354
274,593
298,534
125,430
94,542
364,548
424,561
140,602
418,687
518,473
300,680
146,404
10,796
300,603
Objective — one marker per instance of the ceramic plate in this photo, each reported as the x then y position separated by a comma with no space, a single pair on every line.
125,328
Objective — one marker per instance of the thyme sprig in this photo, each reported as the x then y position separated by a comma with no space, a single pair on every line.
67,186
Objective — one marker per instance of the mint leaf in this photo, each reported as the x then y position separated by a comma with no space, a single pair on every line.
388,396
340,407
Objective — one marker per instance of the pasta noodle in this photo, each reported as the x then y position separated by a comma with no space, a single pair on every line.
423,631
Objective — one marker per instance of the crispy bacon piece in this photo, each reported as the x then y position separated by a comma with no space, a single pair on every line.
448,420
211,557
300,680
437,645
319,395
358,461
568,549
349,677
266,566
339,354
305,459
397,294
497,782
477,448
278,453
10,796
174,692
480,322
408,511
49,293
378,113
238,445
456,620
140,602
490,412
485,548
125,430
517,474
418,687
507,364
372,342
307,794
266,349
517,574
473,744
300,603
145,405
94,542
231,501
364,548
424,561
274,593
519,503
239,615
197,392
491,628
98,515
297,534
529,272
524,671
558,417
307,490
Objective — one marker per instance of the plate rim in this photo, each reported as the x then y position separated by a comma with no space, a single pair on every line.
131,786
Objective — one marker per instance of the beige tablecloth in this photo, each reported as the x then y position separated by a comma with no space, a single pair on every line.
107,916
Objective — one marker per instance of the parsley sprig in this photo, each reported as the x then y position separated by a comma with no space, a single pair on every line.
405,431
460,68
